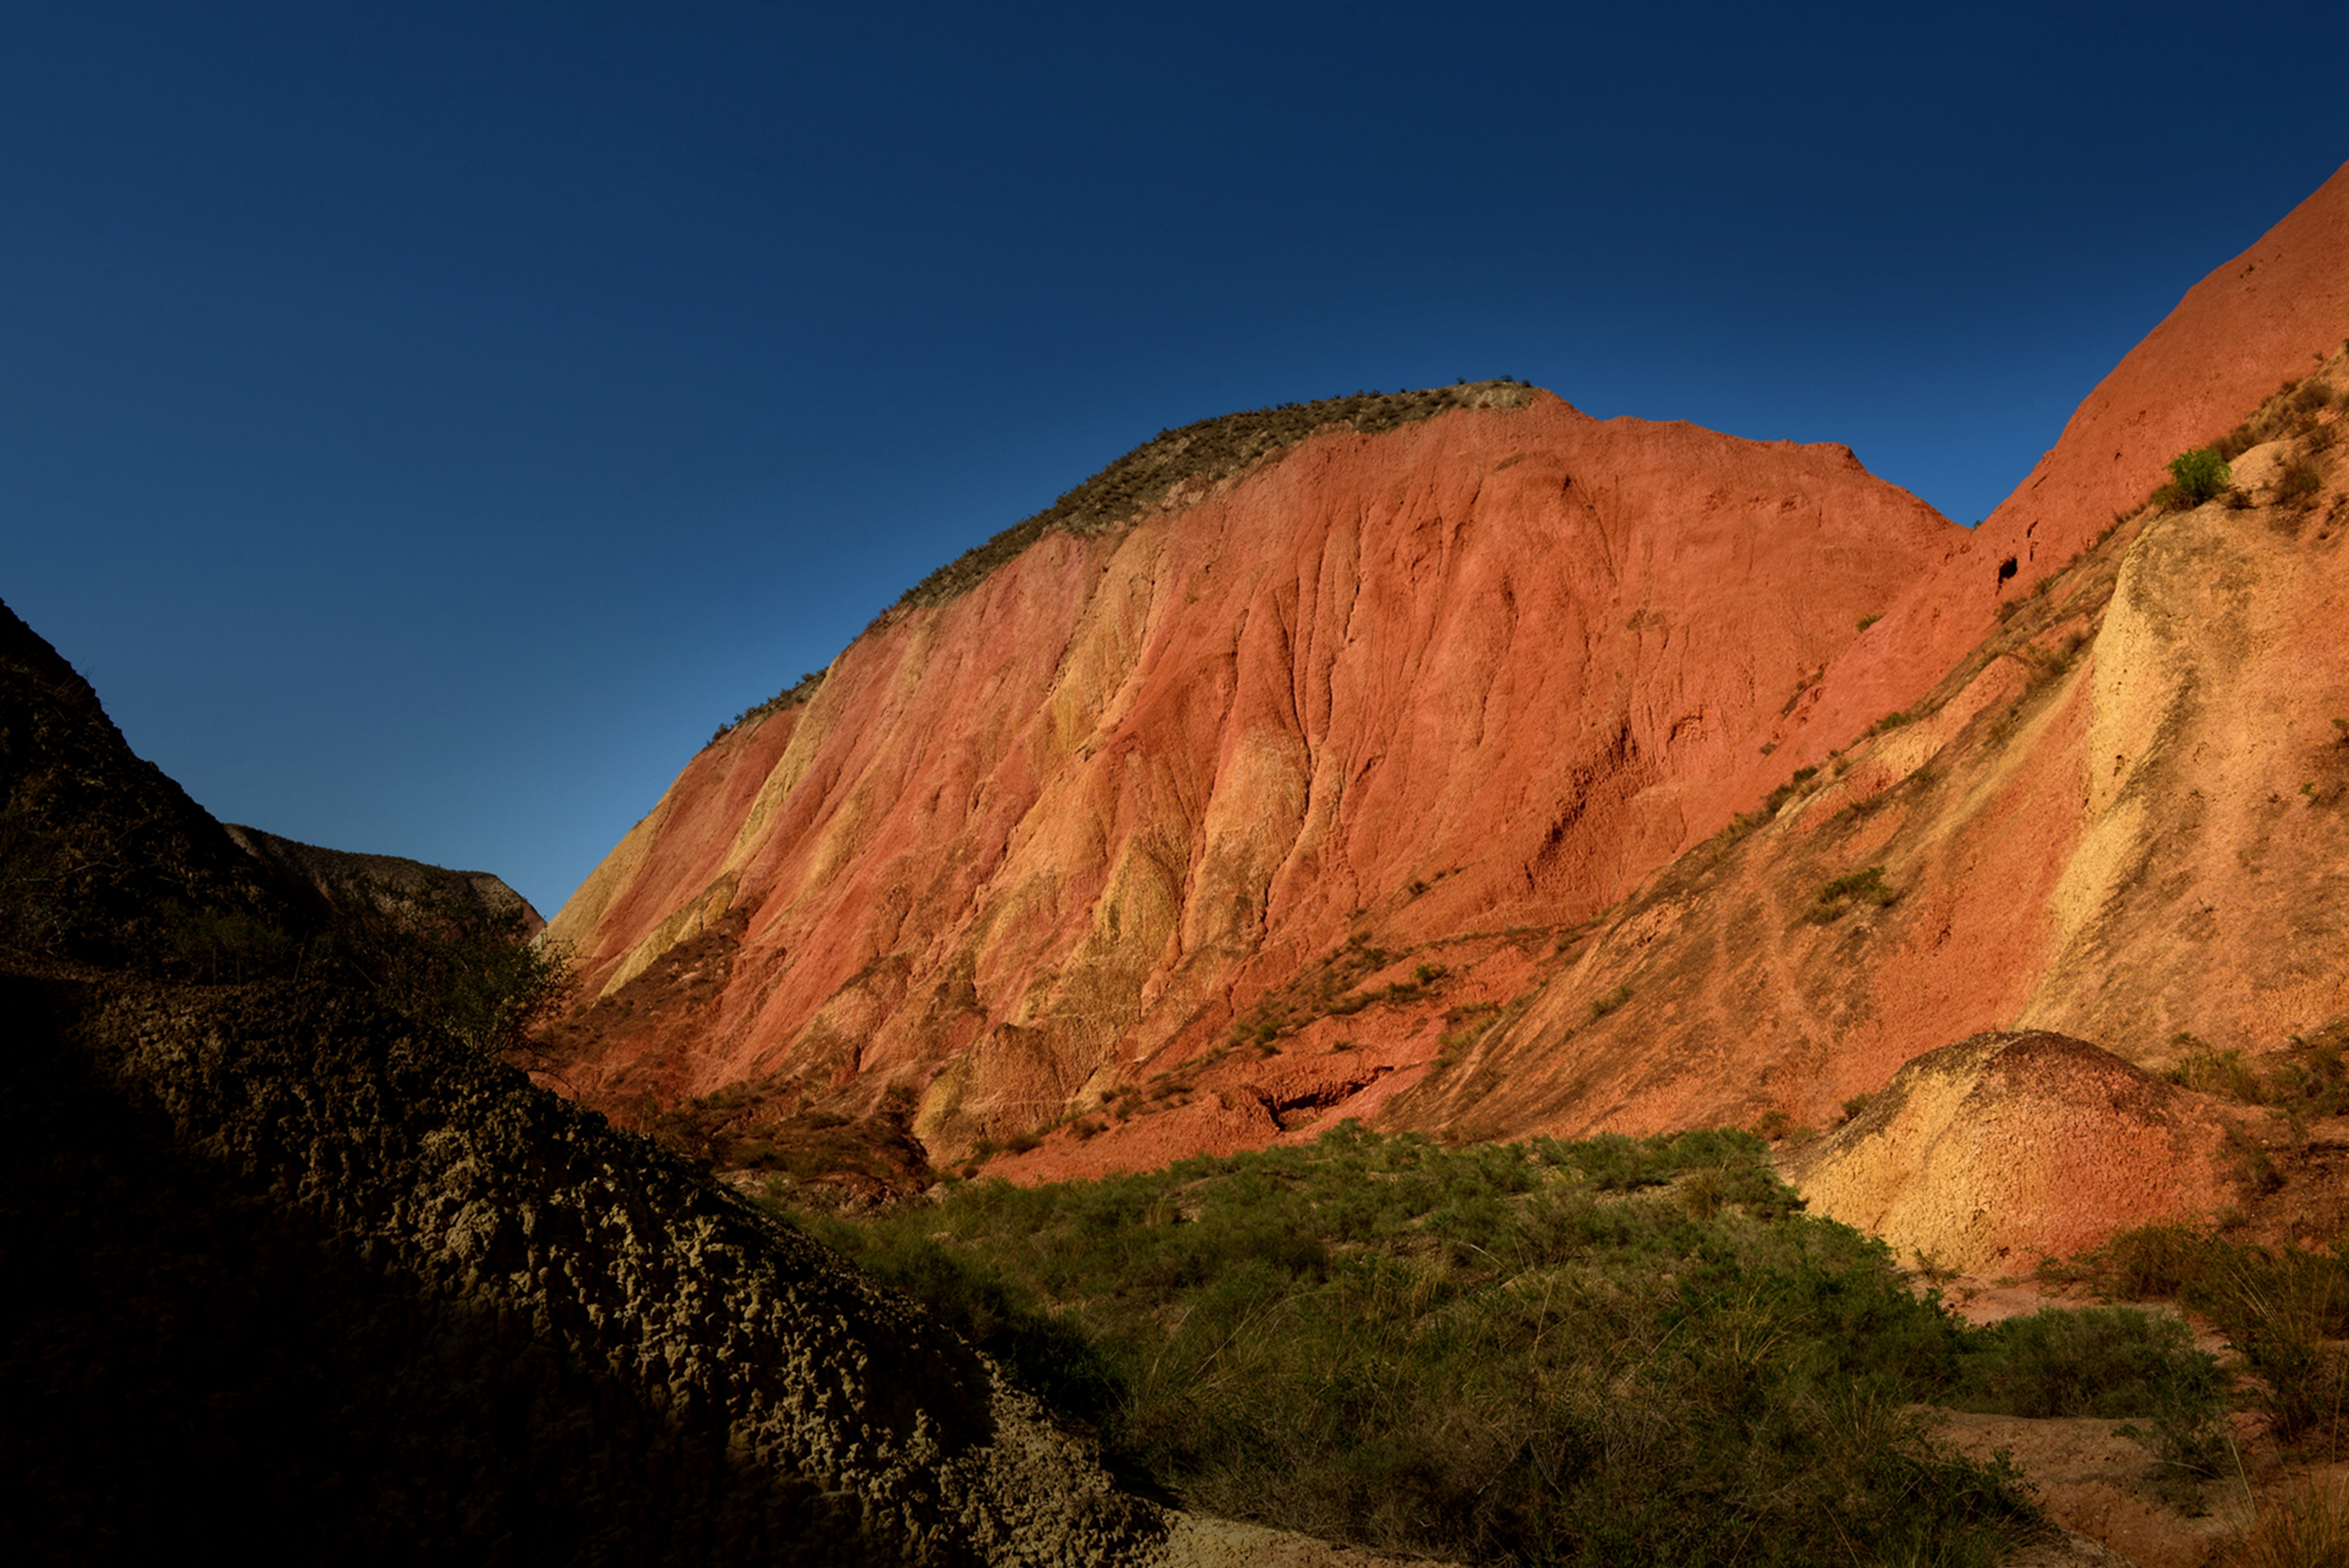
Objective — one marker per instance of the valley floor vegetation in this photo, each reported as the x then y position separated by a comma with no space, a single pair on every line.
1618,1351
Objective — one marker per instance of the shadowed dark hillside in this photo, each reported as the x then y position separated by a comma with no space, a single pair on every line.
102,857
301,1271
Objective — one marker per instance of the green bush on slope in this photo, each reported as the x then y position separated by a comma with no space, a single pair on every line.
2195,477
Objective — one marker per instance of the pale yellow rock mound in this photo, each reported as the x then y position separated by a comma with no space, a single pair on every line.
1989,1154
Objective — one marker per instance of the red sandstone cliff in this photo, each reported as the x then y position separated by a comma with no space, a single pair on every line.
1386,779
1020,845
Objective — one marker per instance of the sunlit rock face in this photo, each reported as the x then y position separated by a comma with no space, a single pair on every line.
1022,846
1515,772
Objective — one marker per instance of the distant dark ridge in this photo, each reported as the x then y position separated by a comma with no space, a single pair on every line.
1210,450
342,875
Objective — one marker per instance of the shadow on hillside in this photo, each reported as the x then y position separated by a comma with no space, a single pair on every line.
194,1361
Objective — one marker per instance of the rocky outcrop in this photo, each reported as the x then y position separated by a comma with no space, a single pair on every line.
309,1278
101,856
1042,840
1989,1154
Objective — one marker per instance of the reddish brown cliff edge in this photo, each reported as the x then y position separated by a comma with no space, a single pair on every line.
2263,317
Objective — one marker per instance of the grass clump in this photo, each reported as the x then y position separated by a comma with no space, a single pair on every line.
2305,1529
1849,891
2286,1311
2222,1073
1618,1351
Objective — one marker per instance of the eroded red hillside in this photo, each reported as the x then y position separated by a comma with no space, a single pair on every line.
1044,840
1388,779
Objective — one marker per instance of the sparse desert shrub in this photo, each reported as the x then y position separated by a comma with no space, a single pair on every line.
792,696
2284,1311
2221,1073
2299,482
2314,1081
2233,444
1891,721
2195,477
1208,450
1849,892
1788,792
1602,1005
2253,1166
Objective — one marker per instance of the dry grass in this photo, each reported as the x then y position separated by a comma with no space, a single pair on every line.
2307,1528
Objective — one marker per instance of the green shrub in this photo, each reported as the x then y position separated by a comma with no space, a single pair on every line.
450,960
2113,1361
2091,1361
2196,477
2284,1311
1615,1351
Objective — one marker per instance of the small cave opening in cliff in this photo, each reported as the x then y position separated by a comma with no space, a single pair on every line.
2005,570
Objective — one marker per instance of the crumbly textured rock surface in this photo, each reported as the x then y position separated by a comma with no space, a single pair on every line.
386,882
1989,1154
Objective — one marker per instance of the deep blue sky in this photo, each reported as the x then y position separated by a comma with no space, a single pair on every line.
425,423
